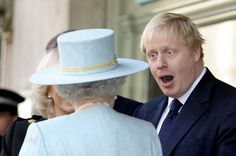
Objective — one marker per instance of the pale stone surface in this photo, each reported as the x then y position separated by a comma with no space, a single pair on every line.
34,23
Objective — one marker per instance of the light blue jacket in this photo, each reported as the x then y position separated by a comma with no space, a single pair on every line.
94,131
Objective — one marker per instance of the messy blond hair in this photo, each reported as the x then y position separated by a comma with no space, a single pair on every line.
179,25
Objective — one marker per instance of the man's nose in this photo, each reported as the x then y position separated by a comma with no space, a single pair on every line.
161,62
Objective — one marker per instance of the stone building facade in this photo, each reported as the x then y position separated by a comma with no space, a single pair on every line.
27,25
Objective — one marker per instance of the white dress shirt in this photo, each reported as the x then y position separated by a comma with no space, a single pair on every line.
182,99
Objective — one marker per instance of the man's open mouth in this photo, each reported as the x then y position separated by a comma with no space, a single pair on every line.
166,79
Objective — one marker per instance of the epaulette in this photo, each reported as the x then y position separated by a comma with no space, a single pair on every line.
30,121
34,119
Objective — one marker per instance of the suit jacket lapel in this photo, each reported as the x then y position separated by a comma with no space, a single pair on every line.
189,115
192,110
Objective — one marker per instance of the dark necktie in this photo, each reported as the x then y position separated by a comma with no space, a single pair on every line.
169,120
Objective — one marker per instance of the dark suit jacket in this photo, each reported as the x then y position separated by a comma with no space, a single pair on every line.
125,105
206,125
15,135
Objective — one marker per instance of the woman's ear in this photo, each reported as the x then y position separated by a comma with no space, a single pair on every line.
50,91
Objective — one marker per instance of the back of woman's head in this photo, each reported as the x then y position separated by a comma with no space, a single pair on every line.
39,92
86,91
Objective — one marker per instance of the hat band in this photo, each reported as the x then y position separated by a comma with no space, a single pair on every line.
7,101
97,66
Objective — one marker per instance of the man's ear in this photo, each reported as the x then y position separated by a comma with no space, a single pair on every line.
197,53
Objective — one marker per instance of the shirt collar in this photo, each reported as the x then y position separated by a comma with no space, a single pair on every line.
184,97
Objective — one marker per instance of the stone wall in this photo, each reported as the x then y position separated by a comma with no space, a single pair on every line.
34,22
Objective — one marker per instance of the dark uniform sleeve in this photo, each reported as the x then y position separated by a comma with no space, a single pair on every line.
0,143
7,141
15,135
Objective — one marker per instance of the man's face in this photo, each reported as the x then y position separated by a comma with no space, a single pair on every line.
5,120
173,65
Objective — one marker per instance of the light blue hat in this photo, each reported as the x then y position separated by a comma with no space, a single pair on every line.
86,56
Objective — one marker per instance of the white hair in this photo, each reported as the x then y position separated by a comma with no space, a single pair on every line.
77,92
39,92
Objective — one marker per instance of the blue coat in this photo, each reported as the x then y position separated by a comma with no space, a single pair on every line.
15,135
94,131
206,125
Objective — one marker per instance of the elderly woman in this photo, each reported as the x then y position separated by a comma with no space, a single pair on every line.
88,77
48,107
49,104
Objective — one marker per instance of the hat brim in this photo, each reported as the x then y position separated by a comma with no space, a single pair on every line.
53,75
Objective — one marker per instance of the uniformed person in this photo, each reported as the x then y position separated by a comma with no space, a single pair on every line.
8,108
15,135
